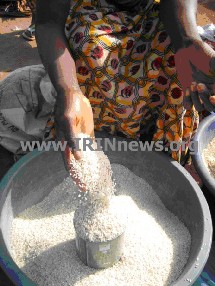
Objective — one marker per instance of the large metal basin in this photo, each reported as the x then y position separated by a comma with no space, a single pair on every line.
35,175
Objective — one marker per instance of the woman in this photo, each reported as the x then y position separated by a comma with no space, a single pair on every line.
124,63
113,65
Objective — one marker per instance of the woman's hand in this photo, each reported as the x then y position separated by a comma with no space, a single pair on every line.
196,71
73,115
200,96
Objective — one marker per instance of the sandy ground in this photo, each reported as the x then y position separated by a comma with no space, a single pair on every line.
16,52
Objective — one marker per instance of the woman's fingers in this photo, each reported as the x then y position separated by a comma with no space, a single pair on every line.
187,100
60,137
68,159
199,96
195,98
73,144
204,95
67,156
200,77
212,99
71,136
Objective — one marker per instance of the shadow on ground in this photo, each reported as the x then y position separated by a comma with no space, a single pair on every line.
16,52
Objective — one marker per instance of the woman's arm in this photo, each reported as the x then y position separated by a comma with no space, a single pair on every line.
73,113
53,46
179,18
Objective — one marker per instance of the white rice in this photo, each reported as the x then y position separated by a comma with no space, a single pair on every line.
156,246
96,223
209,157
99,217
94,172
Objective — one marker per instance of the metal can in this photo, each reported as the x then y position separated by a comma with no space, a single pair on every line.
100,255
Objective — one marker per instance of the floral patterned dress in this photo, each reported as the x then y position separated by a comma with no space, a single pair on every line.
125,66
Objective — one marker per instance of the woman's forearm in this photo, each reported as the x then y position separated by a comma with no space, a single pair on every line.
179,19
55,55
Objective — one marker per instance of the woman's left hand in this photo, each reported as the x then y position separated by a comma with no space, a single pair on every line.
196,71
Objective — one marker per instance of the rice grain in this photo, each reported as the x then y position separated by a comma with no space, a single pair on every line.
156,246
209,157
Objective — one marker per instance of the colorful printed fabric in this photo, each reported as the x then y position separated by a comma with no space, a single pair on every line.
125,66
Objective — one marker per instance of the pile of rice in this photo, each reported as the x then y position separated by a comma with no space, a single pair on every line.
101,217
156,247
209,157
96,223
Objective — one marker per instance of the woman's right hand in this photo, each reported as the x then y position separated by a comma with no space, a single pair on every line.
196,71
73,115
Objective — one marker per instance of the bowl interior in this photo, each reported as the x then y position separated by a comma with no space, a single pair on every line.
35,175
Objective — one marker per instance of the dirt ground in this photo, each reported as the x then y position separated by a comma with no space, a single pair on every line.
16,52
